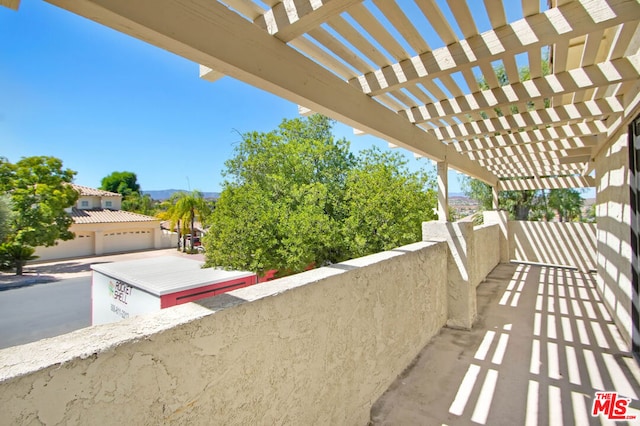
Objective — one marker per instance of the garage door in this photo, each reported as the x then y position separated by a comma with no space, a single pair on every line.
117,241
81,245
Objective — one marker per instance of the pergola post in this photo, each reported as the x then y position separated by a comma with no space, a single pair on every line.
443,191
11,4
495,193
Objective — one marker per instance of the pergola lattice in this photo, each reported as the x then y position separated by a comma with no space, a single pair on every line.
369,65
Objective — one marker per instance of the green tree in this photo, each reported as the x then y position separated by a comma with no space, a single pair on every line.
16,255
519,204
591,214
185,208
291,194
386,203
567,203
5,217
138,203
124,183
528,205
285,189
479,191
39,192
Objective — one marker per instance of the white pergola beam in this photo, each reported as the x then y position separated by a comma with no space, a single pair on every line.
11,4
547,183
498,144
580,111
512,170
589,77
530,150
210,75
290,19
208,33
566,22
502,126
443,191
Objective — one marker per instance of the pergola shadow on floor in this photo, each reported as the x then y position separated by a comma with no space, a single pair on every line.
542,346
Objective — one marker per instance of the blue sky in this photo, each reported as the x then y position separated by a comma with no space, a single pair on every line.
103,102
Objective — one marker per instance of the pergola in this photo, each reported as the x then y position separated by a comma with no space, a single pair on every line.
368,64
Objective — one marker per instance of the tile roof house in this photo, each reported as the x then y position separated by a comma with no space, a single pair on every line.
101,227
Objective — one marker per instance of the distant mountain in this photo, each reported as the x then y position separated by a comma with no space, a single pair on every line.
165,194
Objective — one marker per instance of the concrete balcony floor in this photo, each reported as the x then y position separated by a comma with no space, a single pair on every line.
542,346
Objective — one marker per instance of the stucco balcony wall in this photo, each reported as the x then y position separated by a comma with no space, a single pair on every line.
315,348
487,250
473,252
554,243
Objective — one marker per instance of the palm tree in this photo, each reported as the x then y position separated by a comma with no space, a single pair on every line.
567,202
184,210
16,255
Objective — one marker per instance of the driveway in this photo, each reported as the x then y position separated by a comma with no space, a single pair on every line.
54,298
43,272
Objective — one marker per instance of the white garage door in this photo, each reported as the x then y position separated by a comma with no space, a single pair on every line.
117,241
81,245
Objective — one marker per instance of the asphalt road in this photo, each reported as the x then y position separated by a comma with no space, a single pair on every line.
44,310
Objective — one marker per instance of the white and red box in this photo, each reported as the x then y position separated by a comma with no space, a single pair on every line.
123,289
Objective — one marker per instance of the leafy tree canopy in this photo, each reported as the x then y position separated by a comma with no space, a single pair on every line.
124,183
386,203
5,217
32,210
138,203
567,203
39,194
528,205
297,197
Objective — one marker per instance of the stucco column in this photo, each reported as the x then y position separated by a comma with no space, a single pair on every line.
502,219
495,194
461,288
98,247
443,191
157,237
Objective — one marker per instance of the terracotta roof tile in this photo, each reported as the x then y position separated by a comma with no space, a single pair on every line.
85,190
108,216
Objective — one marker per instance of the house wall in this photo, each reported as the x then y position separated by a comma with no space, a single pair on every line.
314,348
88,202
613,213
554,243
168,239
116,203
104,238
97,202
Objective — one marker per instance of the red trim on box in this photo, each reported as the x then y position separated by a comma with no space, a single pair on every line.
268,276
198,293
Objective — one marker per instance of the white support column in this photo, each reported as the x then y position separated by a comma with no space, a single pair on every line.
443,191
495,193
